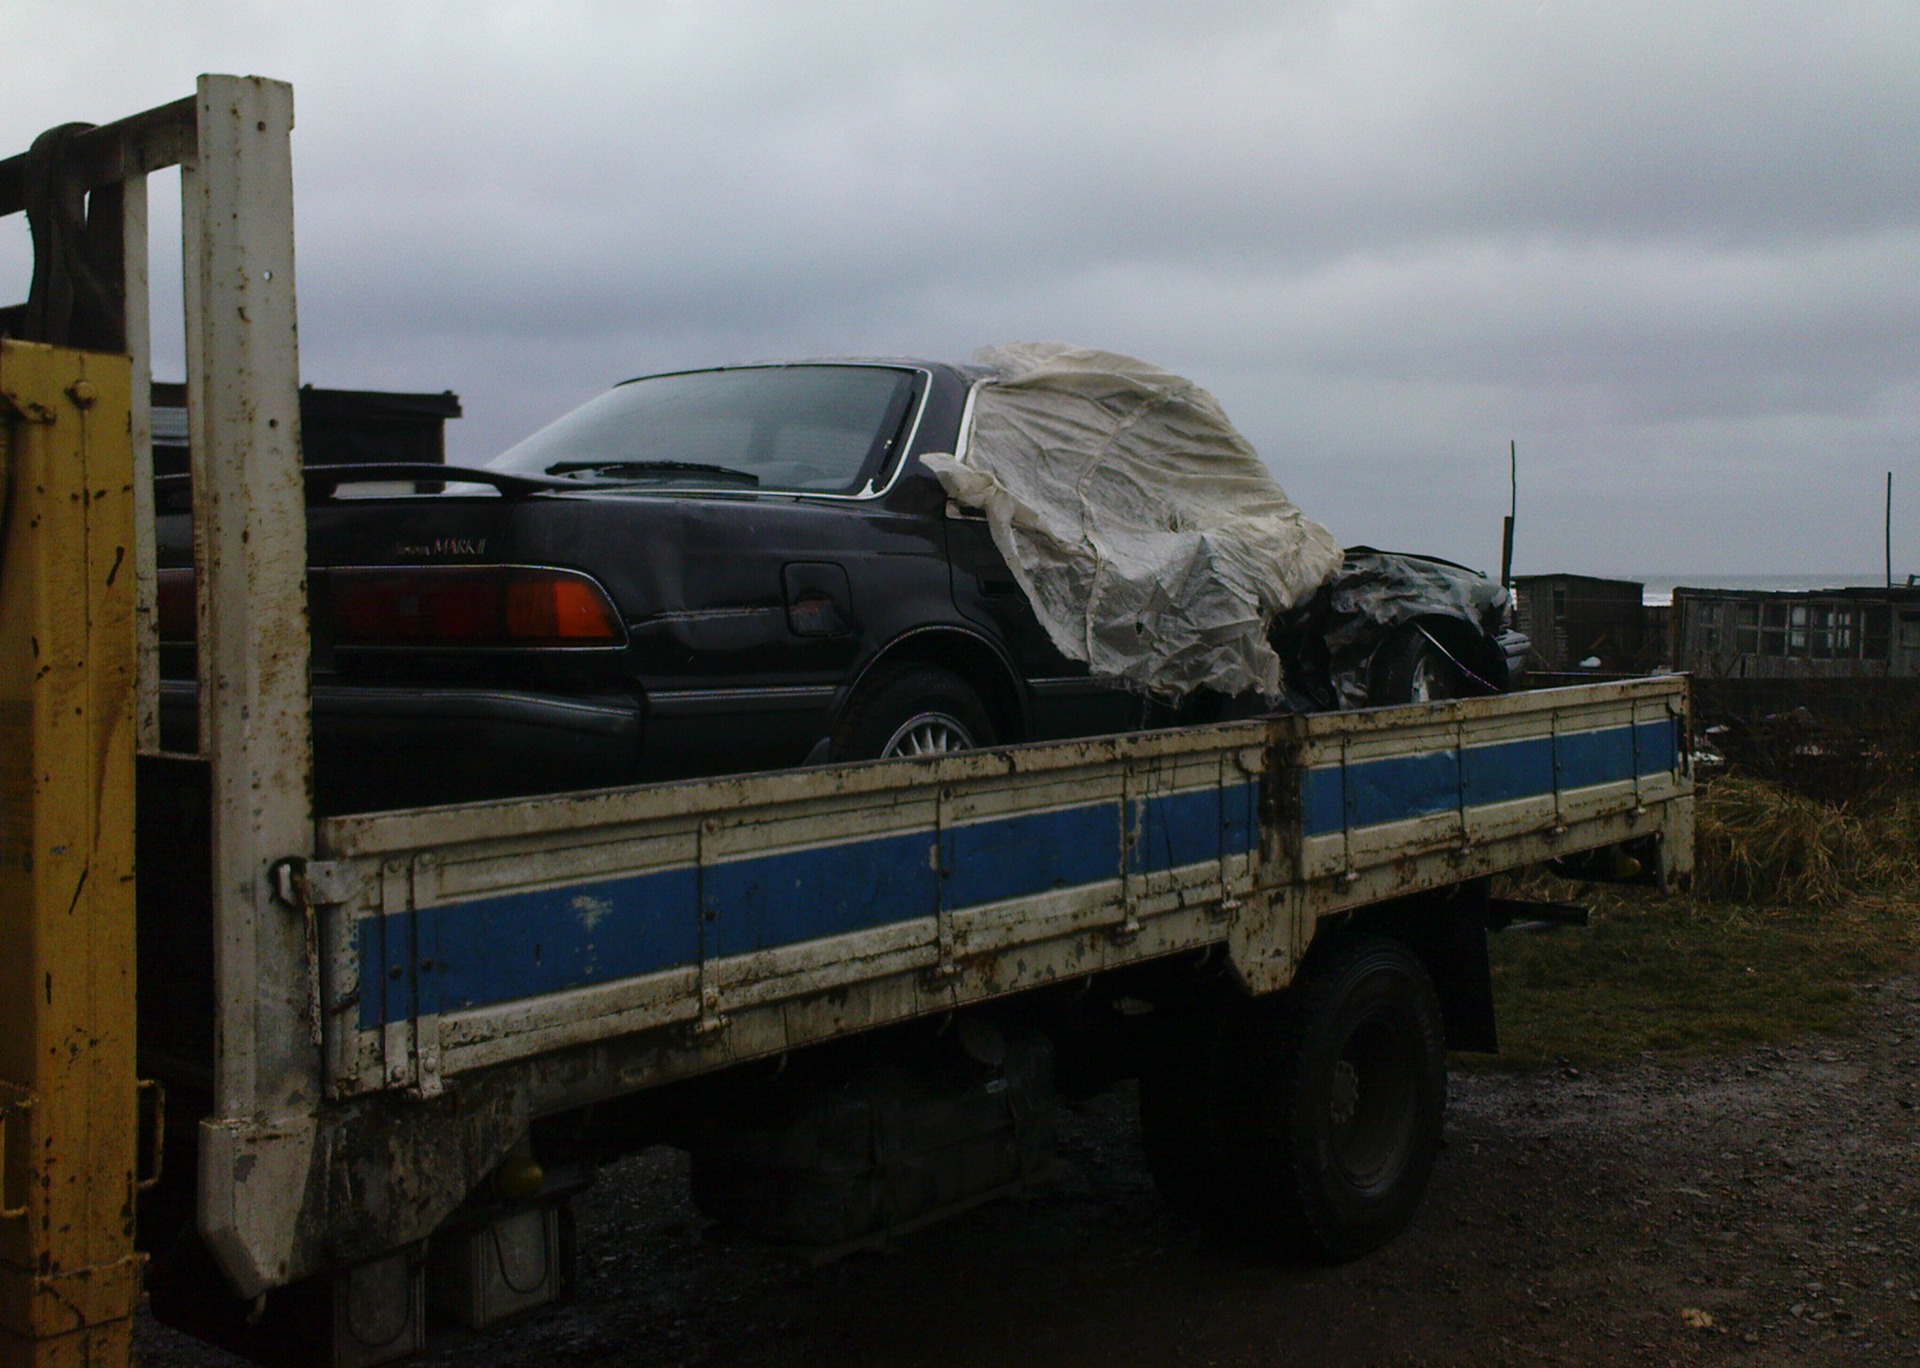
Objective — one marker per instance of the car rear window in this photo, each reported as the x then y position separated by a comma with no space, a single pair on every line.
807,429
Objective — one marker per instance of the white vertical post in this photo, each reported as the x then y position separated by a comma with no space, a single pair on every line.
192,244
146,628
250,526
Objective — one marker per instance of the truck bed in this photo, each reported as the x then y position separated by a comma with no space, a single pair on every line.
483,965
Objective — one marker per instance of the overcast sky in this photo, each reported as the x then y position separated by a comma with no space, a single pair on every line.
1673,250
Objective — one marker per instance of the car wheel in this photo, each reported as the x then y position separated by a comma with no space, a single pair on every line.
912,710
1309,1121
1409,667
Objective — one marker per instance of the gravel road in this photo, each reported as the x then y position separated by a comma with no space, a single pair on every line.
1758,1208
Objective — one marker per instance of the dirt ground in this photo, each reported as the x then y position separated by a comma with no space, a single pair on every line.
1758,1208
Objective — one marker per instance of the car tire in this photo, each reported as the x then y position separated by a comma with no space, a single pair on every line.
1410,667
1307,1122
912,710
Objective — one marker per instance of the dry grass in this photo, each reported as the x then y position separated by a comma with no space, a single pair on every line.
1760,843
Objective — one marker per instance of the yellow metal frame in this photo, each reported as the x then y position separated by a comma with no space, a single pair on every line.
69,1276
258,1161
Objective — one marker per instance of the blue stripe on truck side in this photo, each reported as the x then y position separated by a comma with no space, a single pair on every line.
526,944
1397,788
518,945
773,900
1187,828
1013,857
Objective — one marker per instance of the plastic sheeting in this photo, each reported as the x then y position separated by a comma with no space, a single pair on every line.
1378,591
1148,536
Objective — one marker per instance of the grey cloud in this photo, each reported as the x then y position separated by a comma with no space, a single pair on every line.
1674,250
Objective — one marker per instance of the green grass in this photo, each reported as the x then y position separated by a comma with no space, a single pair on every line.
1674,977
1795,904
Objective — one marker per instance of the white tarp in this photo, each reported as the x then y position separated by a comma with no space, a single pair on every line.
1146,532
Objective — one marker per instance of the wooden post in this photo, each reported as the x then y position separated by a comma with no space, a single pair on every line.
1513,511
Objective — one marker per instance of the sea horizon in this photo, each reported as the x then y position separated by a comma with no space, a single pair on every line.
1658,589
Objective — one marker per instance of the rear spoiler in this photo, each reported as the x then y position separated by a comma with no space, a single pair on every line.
324,480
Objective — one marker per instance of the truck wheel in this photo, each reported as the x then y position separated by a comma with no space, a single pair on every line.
1409,668
1308,1121
910,710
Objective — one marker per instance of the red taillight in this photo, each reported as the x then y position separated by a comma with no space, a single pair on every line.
500,606
553,609
470,606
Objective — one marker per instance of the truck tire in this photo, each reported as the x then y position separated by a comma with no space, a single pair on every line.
908,710
1409,668
1306,1122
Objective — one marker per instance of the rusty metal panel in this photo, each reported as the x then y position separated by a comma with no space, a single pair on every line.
509,959
572,948
416,910
549,923
1475,775
69,1278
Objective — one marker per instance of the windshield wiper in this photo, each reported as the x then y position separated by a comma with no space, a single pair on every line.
652,468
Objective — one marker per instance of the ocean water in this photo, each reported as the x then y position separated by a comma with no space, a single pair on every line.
1659,588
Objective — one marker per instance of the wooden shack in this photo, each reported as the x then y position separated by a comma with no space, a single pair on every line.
337,427
1871,633
1571,618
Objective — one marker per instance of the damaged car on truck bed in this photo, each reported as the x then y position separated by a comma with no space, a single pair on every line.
760,566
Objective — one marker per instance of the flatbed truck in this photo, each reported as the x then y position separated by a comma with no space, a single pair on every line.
394,1046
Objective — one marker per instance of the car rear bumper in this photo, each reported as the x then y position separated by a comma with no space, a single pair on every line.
379,747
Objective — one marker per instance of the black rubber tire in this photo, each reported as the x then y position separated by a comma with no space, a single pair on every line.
1307,1122
1409,668
898,695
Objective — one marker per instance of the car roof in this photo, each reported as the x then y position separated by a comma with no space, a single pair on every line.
967,373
